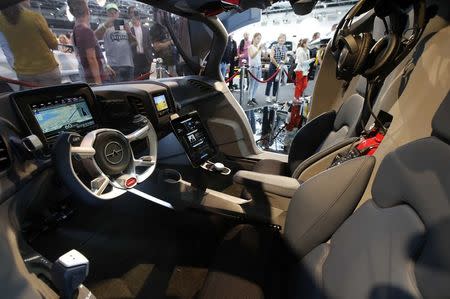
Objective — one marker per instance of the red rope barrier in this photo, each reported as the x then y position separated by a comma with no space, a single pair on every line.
144,76
232,77
18,82
268,79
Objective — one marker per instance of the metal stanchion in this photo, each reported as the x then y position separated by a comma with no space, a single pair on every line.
159,68
241,82
279,81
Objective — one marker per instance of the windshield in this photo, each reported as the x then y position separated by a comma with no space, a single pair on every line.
49,42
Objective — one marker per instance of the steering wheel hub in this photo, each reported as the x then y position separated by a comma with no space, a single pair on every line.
112,152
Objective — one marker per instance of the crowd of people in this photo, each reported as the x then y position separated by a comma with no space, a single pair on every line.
130,47
249,54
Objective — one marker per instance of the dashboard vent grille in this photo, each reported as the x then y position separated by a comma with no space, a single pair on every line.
200,85
139,106
5,161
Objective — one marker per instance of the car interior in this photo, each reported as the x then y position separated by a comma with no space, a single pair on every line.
157,189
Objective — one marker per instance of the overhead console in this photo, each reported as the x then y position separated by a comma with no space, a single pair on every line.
48,111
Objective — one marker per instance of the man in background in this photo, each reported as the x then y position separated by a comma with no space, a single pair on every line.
117,39
233,59
142,49
164,48
89,54
226,58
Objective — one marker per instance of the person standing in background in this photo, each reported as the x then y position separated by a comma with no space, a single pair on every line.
225,61
243,49
302,59
233,60
117,39
84,40
255,67
163,45
6,50
277,56
142,49
38,66
294,121
313,53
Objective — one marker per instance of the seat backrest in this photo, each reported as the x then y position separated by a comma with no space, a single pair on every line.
326,130
396,245
347,123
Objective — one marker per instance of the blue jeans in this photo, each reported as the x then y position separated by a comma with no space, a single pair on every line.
272,69
251,119
253,85
123,73
223,69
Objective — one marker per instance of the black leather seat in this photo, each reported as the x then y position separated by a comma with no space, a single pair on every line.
321,133
396,245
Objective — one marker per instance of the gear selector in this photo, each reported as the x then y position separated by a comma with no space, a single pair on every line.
69,272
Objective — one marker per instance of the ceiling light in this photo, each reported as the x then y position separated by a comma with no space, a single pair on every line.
101,2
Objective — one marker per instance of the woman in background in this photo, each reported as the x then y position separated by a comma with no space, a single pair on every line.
254,62
302,60
23,29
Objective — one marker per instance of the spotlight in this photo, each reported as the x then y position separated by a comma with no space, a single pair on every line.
101,2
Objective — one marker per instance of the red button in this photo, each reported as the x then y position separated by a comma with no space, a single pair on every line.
131,182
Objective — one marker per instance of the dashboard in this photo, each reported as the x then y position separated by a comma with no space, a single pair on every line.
37,116
46,112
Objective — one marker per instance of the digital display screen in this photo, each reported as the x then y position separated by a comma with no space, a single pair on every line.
194,138
160,102
62,114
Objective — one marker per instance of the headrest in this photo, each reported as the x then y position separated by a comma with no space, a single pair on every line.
441,120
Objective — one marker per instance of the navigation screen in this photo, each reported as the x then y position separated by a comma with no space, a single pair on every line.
194,138
160,102
63,114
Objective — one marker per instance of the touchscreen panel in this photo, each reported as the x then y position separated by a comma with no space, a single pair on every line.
194,138
62,114
161,104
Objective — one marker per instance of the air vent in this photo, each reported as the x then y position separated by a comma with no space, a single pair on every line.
138,106
5,162
201,85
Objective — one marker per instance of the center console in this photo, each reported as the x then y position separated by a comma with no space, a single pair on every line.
195,139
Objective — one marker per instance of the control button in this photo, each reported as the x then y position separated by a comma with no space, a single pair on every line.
131,182
127,181
75,140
